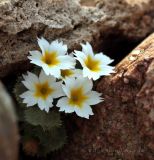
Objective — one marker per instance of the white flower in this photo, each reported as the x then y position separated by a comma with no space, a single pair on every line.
94,65
79,97
53,57
68,73
41,90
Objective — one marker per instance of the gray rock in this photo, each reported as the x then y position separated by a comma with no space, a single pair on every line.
74,21
8,127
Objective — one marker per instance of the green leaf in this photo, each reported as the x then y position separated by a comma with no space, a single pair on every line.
36,70
56,139
47,121
19,88
51,140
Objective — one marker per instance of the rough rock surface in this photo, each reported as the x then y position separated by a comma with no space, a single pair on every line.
21,21
123,125
8,128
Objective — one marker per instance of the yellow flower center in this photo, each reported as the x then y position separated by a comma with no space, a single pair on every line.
50,58
43,90
77,97
66,73
92,64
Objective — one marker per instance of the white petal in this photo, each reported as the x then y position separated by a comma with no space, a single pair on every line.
35,61
32,77
41,104
107,70
43,77
94,98
51,79
96,77
67,62
85,83
46,69
90,74
59,47
47,109
66,90
70,83
36,55
84,112
45,104
86,72
44,44
103,58
25,94
29,98
29,85
48,105
58,92
49,100
64,106
77,73
30,81
87,49
80,56
53,71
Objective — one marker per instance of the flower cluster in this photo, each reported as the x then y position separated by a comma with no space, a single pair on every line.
60,78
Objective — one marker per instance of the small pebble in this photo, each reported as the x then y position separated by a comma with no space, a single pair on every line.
136,52
126,80
147,92
98,137
132,58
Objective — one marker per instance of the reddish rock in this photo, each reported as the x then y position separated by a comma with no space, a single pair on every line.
123,125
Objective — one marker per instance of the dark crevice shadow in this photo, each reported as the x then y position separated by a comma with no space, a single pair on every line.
117,46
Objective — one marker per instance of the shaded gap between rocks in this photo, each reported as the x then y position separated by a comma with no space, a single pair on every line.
118,46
